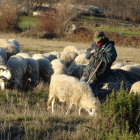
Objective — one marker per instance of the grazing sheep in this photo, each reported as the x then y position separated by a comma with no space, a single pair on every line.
134,69
73,49
59,67
32,71
24,55
5,75
11,46
3,54
136,87
117,66
70,90
45,68
18,67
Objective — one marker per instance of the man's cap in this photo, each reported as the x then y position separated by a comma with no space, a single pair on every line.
98,35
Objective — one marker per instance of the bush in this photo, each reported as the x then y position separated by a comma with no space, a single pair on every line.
122,109
48,23
56,22
9,19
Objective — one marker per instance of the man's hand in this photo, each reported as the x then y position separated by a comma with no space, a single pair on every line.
92,51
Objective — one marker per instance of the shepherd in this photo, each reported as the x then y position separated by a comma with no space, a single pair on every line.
101,55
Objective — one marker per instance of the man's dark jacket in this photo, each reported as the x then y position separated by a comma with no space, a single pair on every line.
107,53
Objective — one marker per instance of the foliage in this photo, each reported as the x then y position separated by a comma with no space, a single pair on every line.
27,22
123,108
57,22
9,19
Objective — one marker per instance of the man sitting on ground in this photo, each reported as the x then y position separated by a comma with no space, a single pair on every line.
102,50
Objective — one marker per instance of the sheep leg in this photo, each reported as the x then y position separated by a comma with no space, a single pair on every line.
53,100
70,106
79,111
2,85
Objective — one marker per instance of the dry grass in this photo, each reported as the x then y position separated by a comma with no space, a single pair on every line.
131,55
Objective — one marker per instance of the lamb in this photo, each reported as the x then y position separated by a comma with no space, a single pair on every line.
70,90
136,87
45,68
11,46
18,67
73,49
5,75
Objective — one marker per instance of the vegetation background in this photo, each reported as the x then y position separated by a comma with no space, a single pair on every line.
23,115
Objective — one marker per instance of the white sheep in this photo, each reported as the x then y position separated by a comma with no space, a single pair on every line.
136,87
5,75
134,69
24,55
59,67
68,57
32,72
45,68
11,46
73,49
69,89
18,67
72,91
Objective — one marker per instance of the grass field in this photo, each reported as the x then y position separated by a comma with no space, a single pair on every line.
23,115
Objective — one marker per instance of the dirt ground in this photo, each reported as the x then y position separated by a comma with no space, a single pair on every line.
36,45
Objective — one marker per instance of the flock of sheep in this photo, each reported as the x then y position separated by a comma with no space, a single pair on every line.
61,70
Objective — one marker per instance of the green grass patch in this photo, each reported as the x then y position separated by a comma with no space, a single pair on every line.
115,30
28,21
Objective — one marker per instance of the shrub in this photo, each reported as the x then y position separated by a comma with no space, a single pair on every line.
57,21
48,23
122,109
8,19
